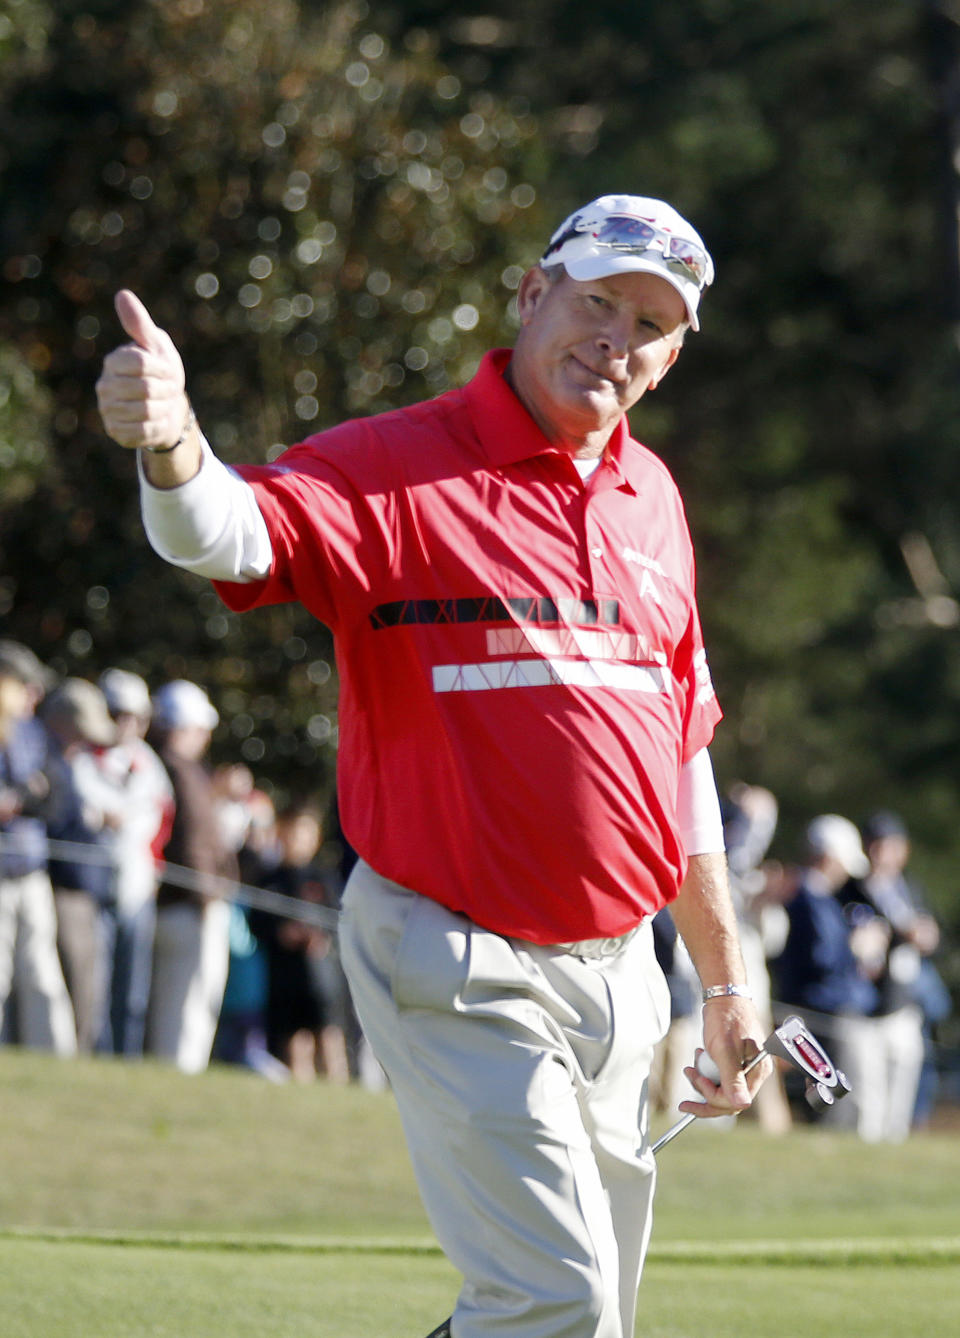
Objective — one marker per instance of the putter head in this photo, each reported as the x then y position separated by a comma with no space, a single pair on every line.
794,1042
443,1331
819,1096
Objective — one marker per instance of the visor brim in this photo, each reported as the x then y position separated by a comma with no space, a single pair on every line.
585,268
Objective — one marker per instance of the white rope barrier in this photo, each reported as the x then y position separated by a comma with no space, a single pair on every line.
326,917
178,875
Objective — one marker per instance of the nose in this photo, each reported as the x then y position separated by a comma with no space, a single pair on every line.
613,338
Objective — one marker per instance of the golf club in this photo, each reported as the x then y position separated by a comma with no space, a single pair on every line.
793,1042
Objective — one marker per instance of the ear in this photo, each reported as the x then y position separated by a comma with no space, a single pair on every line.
533,286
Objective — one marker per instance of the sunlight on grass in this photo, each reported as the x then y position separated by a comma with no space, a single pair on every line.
135,1201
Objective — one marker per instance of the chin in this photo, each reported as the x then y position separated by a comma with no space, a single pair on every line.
592,409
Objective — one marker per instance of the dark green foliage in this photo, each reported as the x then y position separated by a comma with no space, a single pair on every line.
307,194
326,226
812,423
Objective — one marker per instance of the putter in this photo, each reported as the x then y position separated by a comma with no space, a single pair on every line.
793,1042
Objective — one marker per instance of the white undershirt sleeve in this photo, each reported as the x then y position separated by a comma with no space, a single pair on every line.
210,525
698,807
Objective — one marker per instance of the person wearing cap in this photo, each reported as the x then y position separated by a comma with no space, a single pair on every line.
26,667
525,711
191,950
82,812
31,977
137,773
912,995
829,961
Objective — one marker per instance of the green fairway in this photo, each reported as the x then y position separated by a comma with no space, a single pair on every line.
105,1291
71,1290
99,1143
135,1201
796,1302
75,1291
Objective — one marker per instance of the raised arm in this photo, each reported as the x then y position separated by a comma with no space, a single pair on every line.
143,401
197,513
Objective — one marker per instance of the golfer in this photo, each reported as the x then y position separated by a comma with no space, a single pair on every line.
525,711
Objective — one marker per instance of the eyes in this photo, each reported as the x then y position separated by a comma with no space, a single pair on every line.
598,303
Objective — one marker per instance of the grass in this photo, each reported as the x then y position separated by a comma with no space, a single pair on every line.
86,1291
106,1144
72,1290
136,1201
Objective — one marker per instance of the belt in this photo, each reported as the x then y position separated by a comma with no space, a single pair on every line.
599,947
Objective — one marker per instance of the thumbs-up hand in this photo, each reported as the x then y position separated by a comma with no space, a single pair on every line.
141,392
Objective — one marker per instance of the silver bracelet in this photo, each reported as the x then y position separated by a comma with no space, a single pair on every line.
165,450
726,991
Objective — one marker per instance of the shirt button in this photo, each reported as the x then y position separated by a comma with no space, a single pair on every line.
596,551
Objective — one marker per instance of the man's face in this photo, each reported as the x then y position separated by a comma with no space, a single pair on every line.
15,694
301,837
14,701
189,741
129,726
889,854
588,351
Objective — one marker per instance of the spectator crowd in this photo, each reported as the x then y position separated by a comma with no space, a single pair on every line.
127,924
844,939
127,868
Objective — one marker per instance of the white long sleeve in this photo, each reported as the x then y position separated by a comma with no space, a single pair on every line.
698,807
210,525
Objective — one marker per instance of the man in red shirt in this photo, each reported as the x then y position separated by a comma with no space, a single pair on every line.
524,717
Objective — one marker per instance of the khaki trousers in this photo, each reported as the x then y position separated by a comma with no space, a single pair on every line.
81,949
191,957
30,969
520,1073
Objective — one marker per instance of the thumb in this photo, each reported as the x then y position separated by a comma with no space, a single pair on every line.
137,322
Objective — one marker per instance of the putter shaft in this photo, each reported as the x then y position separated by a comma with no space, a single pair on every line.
680,1125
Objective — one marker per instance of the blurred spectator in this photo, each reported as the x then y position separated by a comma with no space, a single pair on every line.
232,787
826,966
146,794
307,997
242,1030
191,943
749,823
750,815
259,851
247,824
30,973
912,995
82,809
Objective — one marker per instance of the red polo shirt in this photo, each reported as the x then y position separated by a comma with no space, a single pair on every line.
521,667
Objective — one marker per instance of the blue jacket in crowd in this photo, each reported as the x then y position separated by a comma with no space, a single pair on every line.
817,968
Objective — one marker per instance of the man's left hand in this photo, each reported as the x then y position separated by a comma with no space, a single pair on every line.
732,1037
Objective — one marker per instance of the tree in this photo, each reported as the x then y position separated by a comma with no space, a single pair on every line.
319,219
811,424
328,207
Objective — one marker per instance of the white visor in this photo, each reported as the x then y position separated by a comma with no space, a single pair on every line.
623,234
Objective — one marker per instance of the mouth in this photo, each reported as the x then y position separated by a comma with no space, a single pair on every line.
590,375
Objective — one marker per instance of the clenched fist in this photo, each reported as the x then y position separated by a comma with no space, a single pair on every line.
141,392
